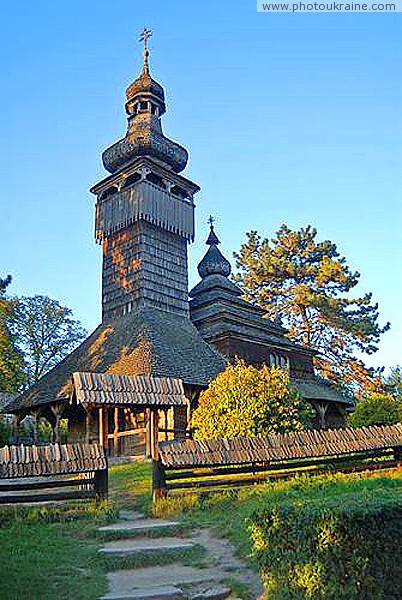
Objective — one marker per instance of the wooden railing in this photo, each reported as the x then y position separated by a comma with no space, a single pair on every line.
199,464
31,473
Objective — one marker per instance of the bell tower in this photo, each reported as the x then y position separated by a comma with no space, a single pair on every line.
144,210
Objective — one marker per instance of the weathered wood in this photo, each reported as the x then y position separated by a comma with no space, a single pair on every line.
101,485
273,476
159,489
46,463
277,447
39,485
116,432
50,497
216,463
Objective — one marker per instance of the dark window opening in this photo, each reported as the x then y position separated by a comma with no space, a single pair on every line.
131,179
143,105
178,191
153,178
109,192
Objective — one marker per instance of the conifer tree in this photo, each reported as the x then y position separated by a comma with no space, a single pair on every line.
306,284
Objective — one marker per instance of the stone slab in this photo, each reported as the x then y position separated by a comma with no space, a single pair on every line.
138,525
130,515
137,546
156,593
127,580
214,593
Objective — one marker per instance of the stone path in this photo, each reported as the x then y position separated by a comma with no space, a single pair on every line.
175,580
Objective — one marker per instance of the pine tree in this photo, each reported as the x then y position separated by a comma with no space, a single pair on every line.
306,284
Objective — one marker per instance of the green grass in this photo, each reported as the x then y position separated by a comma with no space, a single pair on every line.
49,552
44,556
229,512
130,486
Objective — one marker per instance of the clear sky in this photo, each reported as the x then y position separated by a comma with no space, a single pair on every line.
288,118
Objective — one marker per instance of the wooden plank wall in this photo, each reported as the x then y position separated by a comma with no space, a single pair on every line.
205,464
60,467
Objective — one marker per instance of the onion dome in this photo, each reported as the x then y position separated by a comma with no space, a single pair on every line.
145,86
214,270
213,263
145,105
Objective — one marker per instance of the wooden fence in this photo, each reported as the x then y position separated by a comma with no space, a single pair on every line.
75,471
200,464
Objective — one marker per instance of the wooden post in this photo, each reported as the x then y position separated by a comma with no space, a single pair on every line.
88,411
159,489
106,429
148,444
35,415
116,449
103,428
322,409
57,410
100,425
101,485
166,424
154,433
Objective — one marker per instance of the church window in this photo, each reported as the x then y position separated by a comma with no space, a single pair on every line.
109,192
143,105
178,191
132,179
155,179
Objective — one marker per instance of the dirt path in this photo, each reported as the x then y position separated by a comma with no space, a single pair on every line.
214,576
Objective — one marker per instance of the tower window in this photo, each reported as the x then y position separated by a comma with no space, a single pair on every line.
155,179
131,179
143,105
109,192
178,191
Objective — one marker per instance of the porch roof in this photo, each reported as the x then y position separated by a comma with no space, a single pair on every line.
133,390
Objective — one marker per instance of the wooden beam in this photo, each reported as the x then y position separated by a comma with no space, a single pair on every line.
158,480
101,424
148,438
154,433
116,449
101,485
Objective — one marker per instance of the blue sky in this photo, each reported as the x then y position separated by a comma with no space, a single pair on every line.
288,119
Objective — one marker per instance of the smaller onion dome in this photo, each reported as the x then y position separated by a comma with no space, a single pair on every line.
146,86
213,263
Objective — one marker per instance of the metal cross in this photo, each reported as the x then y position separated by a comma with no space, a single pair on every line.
145,35
211,220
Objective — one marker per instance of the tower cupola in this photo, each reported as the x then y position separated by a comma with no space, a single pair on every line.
144,137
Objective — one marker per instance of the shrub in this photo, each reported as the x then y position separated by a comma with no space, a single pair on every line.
377,409
244,400
6,433
331,547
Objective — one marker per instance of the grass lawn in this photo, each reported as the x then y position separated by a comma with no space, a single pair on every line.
51,553
228,512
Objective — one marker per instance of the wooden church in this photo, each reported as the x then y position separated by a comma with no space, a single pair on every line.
136,378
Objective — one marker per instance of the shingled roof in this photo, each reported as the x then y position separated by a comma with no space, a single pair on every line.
145,342
320,391
132,390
